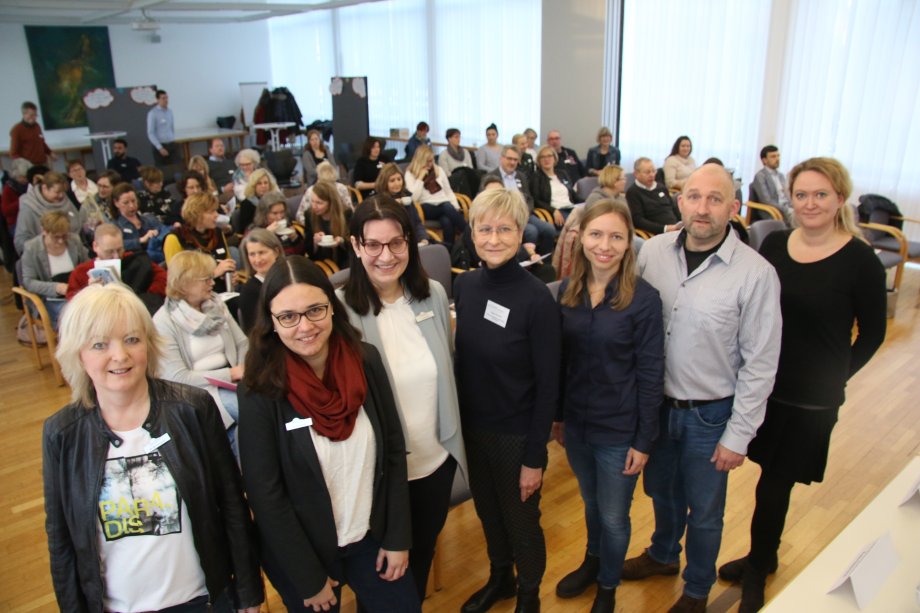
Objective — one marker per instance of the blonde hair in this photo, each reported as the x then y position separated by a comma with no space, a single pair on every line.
604,131
259,236
325,171
545,149
197,205
184,267
837,174
422,156
256,176
250,155
56,222
92,314
581,268
609,175
499,203
327,192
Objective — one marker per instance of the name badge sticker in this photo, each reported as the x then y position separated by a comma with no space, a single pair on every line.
298,422
497,314
220,251
423,316
156,443
127,230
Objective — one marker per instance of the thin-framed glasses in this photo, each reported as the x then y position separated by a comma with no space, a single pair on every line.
289,319
396,246
502,231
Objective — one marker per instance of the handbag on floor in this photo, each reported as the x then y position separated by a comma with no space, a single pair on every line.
22,332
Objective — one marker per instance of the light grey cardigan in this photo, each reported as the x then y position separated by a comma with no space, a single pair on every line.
36,267
433,317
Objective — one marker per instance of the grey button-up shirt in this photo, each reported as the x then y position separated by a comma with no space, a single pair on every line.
722,327
160,126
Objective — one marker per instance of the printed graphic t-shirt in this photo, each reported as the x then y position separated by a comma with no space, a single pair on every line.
149,560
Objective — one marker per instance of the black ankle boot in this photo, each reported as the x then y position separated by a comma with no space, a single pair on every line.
605,600
501,585
752,590
528,601
577,581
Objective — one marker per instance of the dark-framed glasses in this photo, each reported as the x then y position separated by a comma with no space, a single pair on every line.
396,246
289,319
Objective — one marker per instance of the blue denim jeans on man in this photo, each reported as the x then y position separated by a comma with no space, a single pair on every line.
679,476
607,494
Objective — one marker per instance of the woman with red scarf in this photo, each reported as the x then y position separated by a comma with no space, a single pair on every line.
322,451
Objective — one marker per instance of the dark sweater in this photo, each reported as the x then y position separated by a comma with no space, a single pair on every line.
651,210
367,170
508,376
819,302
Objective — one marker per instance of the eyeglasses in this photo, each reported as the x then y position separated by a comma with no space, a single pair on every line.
502,231
60,238
396,246
289,319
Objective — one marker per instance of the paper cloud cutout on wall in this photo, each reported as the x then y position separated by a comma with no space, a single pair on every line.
359,86
144,95
98,98
336,87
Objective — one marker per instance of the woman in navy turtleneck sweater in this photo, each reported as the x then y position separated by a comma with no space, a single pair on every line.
508,347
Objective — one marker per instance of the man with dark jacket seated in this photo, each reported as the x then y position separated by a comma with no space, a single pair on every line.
650,203
137,270
566,159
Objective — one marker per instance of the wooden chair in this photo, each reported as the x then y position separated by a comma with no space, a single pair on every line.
544,215
355,194
769,209
465,204
44,319
327,266
433,228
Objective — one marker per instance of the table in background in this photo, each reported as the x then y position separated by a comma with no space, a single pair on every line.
106,139
195,135
274,129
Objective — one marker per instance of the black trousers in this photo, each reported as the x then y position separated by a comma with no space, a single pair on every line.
771,506
174,156
429,501
512,528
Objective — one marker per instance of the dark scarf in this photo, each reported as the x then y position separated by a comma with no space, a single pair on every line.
332,403
457,153
431,182
206,241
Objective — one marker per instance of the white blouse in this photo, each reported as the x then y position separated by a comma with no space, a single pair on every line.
560,194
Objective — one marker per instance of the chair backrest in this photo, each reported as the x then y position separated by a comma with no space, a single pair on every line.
340,277
638,241
282,164
630,179
553,288
436,262
583,188
173,190
760,229
293,203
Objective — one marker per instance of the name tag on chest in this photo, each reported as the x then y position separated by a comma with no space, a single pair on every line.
497,314
298,422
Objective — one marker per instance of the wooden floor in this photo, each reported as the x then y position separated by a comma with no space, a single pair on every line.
879,431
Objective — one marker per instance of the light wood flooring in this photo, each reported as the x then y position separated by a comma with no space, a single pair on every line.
879,431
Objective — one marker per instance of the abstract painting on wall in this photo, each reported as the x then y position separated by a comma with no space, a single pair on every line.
67,62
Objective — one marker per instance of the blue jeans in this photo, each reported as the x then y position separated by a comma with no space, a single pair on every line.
678,477
451,219
541,233
607,494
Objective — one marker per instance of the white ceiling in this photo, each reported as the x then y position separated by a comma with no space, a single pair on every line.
113,12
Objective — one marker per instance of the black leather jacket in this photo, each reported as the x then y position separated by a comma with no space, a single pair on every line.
75,444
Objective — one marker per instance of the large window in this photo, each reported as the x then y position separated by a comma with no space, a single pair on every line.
453,63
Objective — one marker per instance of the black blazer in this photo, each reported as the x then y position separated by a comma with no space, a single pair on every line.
543,193
523,183
287,493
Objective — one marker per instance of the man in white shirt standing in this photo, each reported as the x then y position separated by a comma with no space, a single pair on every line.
161,132
770,186
722,322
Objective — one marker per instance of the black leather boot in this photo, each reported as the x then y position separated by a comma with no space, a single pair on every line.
580,579
501,585
605,600
528,601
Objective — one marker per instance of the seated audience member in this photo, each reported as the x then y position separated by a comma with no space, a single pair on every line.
98,210
431,188
566,159
604,154
156,201
531,135
140,232
326,226
13,188
49,193
48,259
650,204
272,215
199,232
324,172
260,249
315,153
454,156
261,181
520,141
192,182
537,231
769,185
552,188
201,339
368,166
83,188
487,155
247,161
610,185
200,165
391,182
220,169
27,140
127,167
678,166
419,138
147,279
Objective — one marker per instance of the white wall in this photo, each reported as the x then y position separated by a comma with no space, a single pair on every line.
201,66
573,71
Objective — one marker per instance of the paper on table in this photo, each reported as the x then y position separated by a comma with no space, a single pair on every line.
869,570
227,385
528,263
